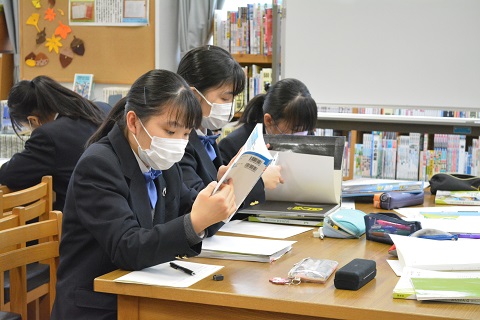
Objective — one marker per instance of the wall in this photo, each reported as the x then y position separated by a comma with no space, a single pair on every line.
418,53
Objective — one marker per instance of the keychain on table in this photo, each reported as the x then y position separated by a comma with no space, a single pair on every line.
280,280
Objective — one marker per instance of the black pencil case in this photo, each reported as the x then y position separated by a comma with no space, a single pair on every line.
379,226
355,274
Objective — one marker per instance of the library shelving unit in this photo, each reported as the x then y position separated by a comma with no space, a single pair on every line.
355,125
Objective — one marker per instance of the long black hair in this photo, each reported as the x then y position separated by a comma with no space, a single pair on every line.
210,67
288,100
154,93
43,97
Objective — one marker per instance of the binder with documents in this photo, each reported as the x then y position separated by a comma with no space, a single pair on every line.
312,170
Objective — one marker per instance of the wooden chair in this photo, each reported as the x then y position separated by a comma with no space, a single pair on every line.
15,256
4,189
20,207
42,191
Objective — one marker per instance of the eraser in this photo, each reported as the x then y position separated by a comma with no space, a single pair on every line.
218,277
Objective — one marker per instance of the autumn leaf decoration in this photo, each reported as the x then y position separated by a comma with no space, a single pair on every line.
53,43
33,20
62,30
50,15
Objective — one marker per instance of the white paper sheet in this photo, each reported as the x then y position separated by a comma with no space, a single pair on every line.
440,255
308,178
396,266
164,275
267,230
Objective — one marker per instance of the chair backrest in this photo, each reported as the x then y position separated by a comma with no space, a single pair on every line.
18,256
41,192
4,189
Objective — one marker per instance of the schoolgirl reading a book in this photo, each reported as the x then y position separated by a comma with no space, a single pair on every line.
286,108
127,206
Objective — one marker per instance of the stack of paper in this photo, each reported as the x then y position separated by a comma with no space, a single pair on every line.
243,248
438,270
265,230
437,255
420,284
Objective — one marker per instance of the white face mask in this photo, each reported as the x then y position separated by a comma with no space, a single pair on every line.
301,133
220,114
163,152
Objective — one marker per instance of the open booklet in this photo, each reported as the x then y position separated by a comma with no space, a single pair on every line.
248,166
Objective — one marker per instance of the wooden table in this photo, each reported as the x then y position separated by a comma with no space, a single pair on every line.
246,293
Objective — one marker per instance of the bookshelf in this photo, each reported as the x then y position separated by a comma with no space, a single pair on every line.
248,59
251,33
443,155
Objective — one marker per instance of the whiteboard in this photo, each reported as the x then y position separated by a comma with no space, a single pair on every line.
413,53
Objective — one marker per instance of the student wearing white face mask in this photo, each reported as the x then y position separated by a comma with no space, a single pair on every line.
127,206
286,108
215,78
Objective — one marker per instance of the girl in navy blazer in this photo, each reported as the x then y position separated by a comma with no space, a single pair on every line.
60,121
111,218
286,108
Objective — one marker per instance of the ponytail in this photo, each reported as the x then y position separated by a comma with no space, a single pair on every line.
254,110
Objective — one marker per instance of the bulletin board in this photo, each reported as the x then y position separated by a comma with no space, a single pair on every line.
114,55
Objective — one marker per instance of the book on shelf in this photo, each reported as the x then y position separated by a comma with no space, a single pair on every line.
82,84
247,30
244,248
471,198
370,186
248,166
299,221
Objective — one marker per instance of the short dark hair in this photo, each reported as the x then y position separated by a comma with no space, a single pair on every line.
42,96
209,67
288,100
155,92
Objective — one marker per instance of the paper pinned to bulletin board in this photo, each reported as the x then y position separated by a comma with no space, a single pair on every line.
115,54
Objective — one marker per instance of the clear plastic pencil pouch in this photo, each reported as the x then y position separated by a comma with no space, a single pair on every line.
313,270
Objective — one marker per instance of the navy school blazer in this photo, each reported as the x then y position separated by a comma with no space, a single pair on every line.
53,149
198,170
107,224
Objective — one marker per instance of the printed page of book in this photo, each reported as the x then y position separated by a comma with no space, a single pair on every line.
308,178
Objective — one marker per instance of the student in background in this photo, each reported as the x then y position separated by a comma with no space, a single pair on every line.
127,206
286,108
60,121
216,78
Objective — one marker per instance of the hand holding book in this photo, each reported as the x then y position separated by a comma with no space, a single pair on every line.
247,167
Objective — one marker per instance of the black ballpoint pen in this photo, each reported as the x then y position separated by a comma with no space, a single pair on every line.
186,270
